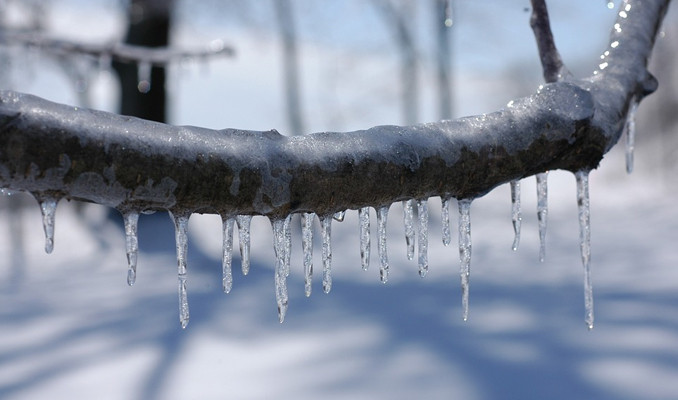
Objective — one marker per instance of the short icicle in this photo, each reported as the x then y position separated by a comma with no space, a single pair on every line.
422,238
542,211
630,128
244,222
279,246
382,217
48,205
144,76
465,252
408,220
307,244
180,220
326,234
131,219
582,178
364,218
227,254
447,235
516,216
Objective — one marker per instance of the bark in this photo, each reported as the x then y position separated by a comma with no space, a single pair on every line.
125,162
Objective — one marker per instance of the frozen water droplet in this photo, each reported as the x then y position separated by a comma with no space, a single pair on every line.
279,246
630,128
364,218
227,251
422,238
326,234
465,252
180,220
244,222
516,216
131,219
447,236
144,76
582,178
339,216
307,244
48,205
610,5
408,219
542,211
382,217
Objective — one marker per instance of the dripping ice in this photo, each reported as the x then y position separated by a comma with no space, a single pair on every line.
227,251
583,205
447,236
542,211
307,245
408,220
422,238
144,76
382,216
280,248
630,128
516,216
364,220
131,220
181,236
48,205
465,252
244,222
326,234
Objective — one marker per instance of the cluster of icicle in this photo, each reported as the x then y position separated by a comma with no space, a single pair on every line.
282,242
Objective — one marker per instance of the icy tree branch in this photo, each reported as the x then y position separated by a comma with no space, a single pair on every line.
124,162
551,62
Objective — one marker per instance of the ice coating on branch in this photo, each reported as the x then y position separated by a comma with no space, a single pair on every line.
131,219
307,245
48,205
144,76
630,128
408,219
422,237
465,252
279,247
181,236
339,216
326,234
364,220
227,252
382,217
582,178
447,236
542,212
244,222
516,216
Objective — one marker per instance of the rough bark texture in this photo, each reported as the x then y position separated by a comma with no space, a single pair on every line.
126,162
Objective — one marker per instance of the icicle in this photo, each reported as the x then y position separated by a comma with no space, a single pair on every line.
408,219
326,233
339,216
48,205
181,237
279,246
131,219
244,222
364,217
542,212
447,236
227,251
465,252
288,243
585,241
382,216
307,244
422,238
516,216
144,76
630,134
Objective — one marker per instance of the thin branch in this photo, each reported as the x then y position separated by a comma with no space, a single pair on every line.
551,62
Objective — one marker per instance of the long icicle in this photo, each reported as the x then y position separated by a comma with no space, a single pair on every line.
244,222
583,204
131,219
48,205
227,251
408,220
288,243
516,216
181,236
307,245
279,246
542,211
326,234
447,236
422,238
382,217
630,127
465,252
364,218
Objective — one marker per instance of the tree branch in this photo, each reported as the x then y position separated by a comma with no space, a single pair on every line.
126,162
551,62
